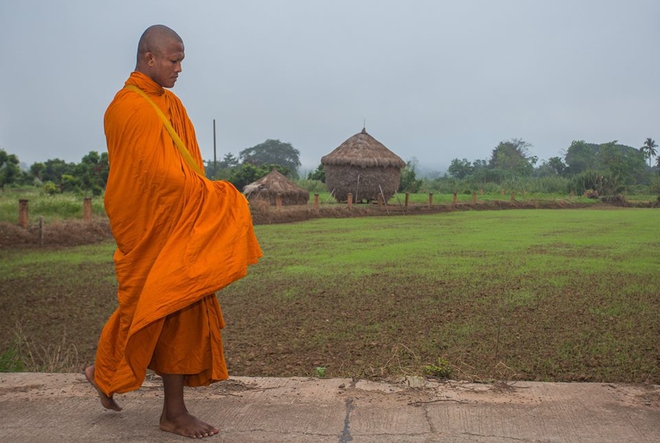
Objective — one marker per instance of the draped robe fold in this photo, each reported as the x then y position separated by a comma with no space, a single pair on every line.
180,238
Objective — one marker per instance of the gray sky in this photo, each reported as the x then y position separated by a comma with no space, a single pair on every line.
434,80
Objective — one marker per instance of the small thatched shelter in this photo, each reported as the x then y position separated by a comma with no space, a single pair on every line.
364,167
268,187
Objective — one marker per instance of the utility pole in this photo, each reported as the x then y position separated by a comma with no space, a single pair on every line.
215,158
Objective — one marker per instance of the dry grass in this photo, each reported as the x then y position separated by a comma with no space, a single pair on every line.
57,356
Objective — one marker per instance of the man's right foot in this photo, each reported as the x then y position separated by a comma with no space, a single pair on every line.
187,425
107,402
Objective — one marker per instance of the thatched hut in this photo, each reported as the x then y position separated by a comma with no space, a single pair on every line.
268,187
364,167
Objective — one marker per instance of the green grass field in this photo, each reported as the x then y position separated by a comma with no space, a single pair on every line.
553,295
56,207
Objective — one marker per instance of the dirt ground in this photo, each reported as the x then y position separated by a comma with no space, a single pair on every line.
60,323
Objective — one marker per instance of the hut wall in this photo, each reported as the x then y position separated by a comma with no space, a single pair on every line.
363,183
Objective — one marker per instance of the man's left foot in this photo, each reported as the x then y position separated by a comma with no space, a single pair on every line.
107,402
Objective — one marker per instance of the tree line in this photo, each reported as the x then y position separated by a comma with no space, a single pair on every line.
606,168
91,174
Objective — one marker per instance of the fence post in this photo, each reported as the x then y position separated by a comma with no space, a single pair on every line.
474,197
513,196
523,192
316,202
454,199
430,199
41,230
278,201
572,193
407,199
380,201
87,209
349,200
501,191
23,218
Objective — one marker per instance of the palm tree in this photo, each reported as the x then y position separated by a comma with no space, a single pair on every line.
649,149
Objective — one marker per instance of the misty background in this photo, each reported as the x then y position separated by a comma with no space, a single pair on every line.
433,80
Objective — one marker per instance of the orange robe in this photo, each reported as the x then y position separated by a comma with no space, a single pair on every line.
180,238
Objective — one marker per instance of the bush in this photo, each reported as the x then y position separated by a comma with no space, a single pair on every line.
313,186
50,188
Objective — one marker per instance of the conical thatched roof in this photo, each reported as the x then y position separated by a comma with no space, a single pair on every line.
275,183
363,167
364,151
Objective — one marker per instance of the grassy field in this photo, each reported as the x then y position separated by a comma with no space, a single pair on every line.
555,295
56,207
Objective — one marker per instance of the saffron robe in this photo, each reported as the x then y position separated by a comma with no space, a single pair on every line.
180,238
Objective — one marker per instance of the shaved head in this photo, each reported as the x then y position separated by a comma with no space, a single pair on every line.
155,38
160,53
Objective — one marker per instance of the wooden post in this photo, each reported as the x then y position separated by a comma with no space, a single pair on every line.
513,196
278,201
523,192
380,201
572,193
316,202
23,218
41,230
501,191
349,200
474,197
430,199
454,199
481,191
407,199
87,209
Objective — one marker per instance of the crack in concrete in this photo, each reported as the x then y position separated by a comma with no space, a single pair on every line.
429,421
346,432
501,437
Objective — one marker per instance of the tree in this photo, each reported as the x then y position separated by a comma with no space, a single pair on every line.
649,150
249,173
221,170
273,152
229,161
513,156
408,179
55,168
626,164
10,171
318,174
92,172
581,156
460,169
557,165
37,170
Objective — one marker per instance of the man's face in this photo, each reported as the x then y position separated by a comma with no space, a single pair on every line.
164,66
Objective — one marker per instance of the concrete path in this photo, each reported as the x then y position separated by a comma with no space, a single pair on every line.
64,408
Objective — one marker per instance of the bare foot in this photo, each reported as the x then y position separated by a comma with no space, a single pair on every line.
187,425
107,402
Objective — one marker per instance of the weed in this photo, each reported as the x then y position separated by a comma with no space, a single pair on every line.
10,360
54,357
439,370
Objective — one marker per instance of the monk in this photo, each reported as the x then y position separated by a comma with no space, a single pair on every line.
180,238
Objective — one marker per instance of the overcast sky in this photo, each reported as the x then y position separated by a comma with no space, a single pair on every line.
435,80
